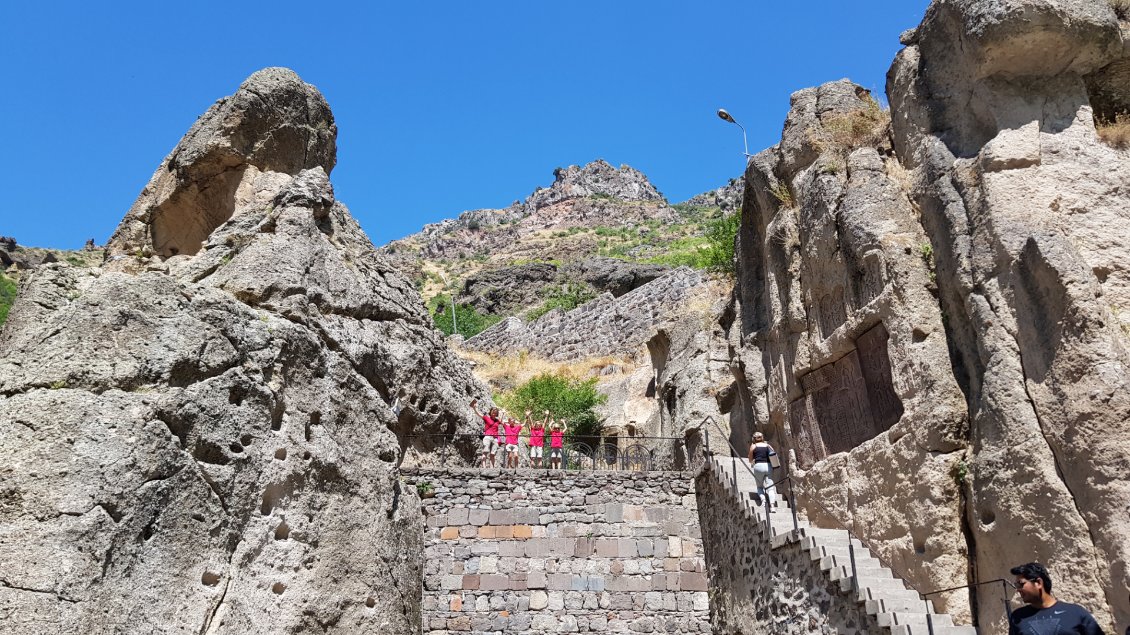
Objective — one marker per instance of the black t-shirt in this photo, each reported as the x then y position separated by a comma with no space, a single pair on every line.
761,453
1060,618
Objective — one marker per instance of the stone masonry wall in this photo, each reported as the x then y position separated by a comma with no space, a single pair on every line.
756,589
535,552
604,326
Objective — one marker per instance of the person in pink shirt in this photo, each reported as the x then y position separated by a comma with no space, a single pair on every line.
537,438
512,429
491,433
556,443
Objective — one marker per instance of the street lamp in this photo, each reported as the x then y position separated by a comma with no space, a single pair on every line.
725,116
454,326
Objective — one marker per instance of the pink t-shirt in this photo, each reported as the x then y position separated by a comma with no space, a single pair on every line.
490,426
512,433
537,437
556,437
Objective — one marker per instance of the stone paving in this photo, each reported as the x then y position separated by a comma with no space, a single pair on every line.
535,552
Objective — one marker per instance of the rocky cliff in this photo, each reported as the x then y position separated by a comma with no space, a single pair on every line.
201,435
607,229
931,309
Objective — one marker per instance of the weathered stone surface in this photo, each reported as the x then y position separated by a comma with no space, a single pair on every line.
205,440
930,316
1021,202
591,570
507,290
601,327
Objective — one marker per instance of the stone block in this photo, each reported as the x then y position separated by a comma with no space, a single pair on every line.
494,583
687,564
451,582
659,582
536,547
486,532
645,547
559,581
488,564
480,548
455,603
449,533
518,582
501,517
522,532
578,583
606,548
701,601
510,548
538,600
457,516
674,547
556,601
478,517
596,583
504,532
626,548
461,623
614,512
583,548
692,581
536,580
468,531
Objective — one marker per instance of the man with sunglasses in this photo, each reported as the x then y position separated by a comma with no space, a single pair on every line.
1042,613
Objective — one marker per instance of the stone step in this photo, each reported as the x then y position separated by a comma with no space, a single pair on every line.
823,550
922,629
870,571
891,605
913,619
872,586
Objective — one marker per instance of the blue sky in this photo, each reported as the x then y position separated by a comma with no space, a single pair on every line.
440,106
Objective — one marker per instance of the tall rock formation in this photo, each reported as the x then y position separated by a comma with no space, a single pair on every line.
1027,212
929,309
201,435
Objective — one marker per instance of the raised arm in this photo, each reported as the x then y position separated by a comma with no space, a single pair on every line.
475,407
545,422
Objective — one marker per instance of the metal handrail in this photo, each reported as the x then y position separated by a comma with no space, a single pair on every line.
851,534
592,453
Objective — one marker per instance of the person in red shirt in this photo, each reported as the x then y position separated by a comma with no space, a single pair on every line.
556,443
491,433
537,438
512,429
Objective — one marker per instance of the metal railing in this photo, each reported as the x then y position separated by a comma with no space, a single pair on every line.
639,454
851,534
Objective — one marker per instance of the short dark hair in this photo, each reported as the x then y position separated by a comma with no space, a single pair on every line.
1034,571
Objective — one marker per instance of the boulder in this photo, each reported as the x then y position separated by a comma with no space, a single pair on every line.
203,433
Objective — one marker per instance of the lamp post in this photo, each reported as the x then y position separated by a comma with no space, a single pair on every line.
725,116
454,326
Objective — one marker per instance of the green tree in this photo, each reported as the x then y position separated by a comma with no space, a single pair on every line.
565,397
721,234
7,296
469,321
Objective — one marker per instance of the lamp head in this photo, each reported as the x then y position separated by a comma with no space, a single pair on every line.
725,116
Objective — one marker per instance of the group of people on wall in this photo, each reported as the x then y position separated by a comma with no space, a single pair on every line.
504,432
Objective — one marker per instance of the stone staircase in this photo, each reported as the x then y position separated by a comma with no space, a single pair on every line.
883,595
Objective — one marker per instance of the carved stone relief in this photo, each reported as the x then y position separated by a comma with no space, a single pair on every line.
846,402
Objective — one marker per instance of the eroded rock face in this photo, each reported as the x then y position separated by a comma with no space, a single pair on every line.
206,441
931,314
275,123
844,363
1027,212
